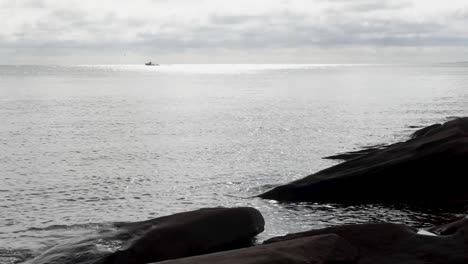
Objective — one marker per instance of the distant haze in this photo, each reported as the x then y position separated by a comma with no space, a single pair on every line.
241,31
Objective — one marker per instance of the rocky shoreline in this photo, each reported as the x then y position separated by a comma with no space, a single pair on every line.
227,235
428,169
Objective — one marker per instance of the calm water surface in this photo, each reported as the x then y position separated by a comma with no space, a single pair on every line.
84,146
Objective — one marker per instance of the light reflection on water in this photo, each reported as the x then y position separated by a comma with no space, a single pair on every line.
98,144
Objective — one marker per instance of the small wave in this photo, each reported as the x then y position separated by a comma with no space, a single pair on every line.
448,118
69,227
238,196
261,189
14,256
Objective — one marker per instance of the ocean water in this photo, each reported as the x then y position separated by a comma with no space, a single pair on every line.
84,146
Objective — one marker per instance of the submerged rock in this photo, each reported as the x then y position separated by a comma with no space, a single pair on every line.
317,250
176,236
427,169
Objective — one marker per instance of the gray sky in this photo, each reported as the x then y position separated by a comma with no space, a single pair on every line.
241,31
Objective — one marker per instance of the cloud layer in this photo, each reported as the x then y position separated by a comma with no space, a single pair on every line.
230,31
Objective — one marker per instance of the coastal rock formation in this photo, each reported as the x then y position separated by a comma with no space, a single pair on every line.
395,243
317,250
176,236
224,236
427,169
194,233
382,243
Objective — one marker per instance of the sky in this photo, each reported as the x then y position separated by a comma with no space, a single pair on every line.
241,31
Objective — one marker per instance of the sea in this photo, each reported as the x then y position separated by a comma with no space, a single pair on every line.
84,146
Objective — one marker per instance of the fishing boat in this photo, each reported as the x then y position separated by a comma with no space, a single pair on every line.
151,64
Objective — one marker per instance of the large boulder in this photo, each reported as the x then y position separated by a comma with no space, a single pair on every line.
176,236
395,243
315,250
429,168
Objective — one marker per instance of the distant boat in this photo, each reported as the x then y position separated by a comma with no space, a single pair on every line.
151,64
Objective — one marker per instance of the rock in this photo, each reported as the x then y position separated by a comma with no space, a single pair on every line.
317,250
180,235
424,131
194,233
356,154
395,243
450,228
428,169
362,234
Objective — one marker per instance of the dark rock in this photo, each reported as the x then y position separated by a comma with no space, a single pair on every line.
194,233
394,243
317,250
450,228
180,235
356,154
428,169
458,124
424,131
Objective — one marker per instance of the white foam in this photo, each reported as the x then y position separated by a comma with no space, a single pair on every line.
425,233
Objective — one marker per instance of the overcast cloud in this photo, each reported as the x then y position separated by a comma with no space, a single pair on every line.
241,31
